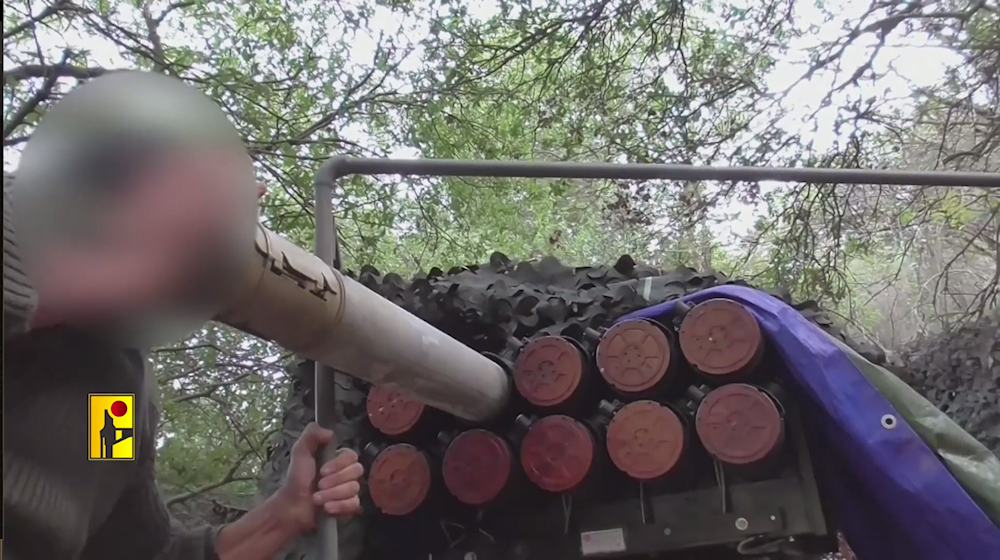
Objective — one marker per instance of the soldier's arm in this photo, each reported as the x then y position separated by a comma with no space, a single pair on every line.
152,534
155,535
19,299
140,527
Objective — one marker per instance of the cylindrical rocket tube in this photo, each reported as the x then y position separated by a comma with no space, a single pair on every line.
292,298
637,358
551,373
480,468
742,427
402,480
649,441
722,341
559,454
400,416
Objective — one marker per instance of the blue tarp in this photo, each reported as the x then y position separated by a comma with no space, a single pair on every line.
898,501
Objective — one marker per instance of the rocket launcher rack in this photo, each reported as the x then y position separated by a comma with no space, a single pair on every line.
433,366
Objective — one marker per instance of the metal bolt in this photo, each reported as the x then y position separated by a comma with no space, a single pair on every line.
666,531
742,524
774,518
469,556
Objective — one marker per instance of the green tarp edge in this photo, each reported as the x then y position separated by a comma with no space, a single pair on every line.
975,467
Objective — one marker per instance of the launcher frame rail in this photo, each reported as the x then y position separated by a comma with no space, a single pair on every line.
339,167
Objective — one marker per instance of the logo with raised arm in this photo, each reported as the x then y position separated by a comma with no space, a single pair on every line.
112,427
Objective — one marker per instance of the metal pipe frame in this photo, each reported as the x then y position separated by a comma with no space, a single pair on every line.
342,166
339,167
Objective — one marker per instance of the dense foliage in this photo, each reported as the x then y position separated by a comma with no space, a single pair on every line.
890,84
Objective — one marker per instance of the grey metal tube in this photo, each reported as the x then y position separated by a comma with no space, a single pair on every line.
442,372
290,296
325,398
341,166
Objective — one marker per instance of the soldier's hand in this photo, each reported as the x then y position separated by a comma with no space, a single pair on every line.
338,486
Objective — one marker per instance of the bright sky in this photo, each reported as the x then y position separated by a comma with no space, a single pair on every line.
914,65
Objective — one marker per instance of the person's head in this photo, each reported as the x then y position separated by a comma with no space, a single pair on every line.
140,146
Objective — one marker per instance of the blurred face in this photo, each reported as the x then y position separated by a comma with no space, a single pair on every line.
183,227
134,200
193,211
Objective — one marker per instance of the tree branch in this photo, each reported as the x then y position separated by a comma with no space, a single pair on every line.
49,11
228,478
54,71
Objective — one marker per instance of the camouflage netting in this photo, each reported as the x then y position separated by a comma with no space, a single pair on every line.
484,306
959,372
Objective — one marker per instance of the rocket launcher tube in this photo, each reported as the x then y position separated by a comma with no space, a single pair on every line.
291,297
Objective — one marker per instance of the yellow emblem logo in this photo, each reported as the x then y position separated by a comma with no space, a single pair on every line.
112,427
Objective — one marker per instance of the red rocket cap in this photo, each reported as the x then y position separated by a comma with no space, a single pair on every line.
720,337
400,479
645,440
739,424
633,355
557,453
477,466
548,370
391,410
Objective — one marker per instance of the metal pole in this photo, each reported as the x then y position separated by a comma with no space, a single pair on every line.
342,166
325,403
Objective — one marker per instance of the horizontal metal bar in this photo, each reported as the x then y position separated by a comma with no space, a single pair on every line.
342,166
